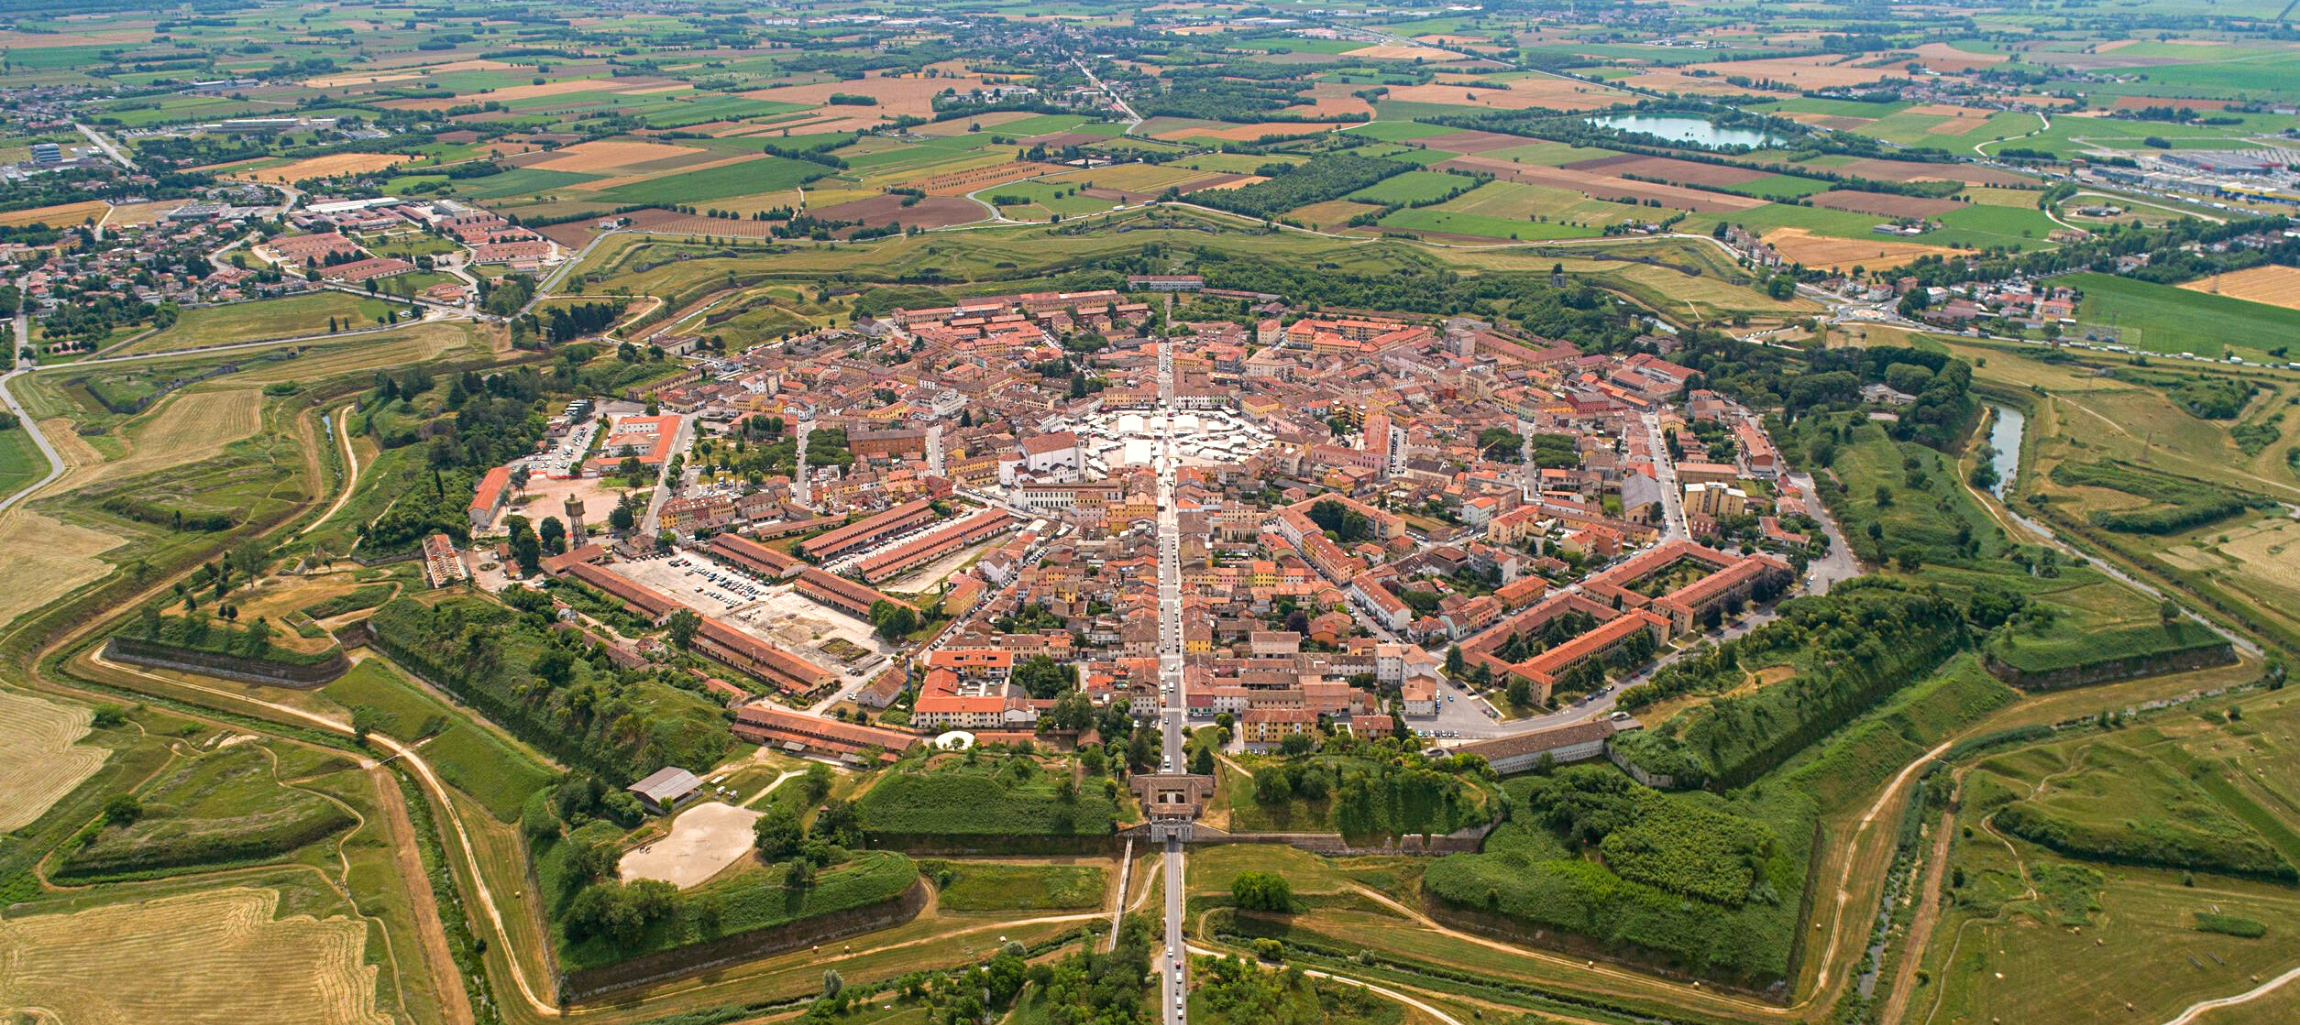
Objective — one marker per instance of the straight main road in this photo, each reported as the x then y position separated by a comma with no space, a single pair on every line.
19,365
106,145
1174,708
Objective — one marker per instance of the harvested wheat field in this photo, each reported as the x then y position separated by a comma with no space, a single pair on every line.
608,156
1945,58
45,757
139,214
1837,253
403,74
190,959
1403,53
194,425
1885,204
1543,91
2274,284
326,167
62,215
895,96
1804,72
1251,132
47,559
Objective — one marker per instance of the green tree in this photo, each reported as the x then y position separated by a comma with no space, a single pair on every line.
1262,891
682,626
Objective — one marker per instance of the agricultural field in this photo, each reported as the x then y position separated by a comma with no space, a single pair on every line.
298,316
52,759
189,958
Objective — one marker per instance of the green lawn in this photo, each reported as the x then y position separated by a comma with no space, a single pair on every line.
263,319
20,460
469,756
993,886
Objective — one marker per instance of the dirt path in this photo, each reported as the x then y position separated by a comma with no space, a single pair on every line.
1921,925
350,471
455,1003
2202,1007
1577,964
770,788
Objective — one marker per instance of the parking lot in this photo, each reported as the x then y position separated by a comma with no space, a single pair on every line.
772,612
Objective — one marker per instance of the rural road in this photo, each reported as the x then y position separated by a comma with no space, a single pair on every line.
20,366
2202,1007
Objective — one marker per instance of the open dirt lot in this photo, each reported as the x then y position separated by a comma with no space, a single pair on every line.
326,167
609,156
1884,204
704,839
138,214
189,959
1833,253
2274,284
45,757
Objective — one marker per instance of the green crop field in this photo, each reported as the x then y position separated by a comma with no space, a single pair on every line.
264,319
2161,318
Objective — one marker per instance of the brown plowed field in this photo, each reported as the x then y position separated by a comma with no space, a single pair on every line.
1598,186
959,183
1222,181
1539,91
1683,172
1913,171
1883,204
931,212
1475,142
